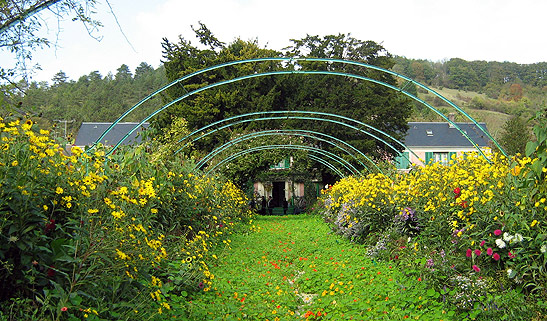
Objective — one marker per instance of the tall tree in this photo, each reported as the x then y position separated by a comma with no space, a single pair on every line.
515,134
364,101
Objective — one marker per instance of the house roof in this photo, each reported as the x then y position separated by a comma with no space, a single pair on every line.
90,132
442,134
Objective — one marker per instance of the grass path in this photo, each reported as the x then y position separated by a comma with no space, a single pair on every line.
292,267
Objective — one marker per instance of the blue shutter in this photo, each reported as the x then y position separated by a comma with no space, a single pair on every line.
401,162
450,155
428,157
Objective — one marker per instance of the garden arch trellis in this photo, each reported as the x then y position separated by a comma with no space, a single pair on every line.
290,132
295,70
350,168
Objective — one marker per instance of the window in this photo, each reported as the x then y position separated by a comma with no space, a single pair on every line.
439,157
283,164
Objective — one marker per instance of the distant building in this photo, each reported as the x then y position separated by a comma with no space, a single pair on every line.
439,141
90,132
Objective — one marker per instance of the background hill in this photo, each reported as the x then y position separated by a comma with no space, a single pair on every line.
491,92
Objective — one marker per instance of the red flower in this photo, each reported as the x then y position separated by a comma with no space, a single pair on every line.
497,232
489,251
476,268
458,192
50,226
468,253
64,309
482,243
496,257
50,271
511,255
477,252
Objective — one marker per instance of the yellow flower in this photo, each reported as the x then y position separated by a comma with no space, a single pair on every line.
14,163
534,222
59,190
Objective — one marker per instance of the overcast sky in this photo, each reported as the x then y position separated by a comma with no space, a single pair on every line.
491,30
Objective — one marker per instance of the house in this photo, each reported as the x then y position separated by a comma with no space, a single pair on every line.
439,141
90,132
283,185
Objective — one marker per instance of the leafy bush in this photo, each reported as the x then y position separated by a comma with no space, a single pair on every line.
476,220
82,238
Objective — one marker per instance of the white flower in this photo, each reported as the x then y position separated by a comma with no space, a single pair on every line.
13,239
507,237
500,243
518,238
509,271
543,248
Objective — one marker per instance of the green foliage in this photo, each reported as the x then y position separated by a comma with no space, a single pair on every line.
92,98
474,228
364,101
85,239
293,268
514,136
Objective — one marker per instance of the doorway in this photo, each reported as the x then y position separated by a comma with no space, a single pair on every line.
278,193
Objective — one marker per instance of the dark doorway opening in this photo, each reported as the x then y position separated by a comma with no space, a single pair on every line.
278,193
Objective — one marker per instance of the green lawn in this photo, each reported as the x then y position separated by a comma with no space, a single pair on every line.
293,267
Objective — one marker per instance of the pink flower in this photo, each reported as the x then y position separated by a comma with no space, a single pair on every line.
476,268
497,232
482,243
511,255
489,251
468,253
477,252
496,256
64,309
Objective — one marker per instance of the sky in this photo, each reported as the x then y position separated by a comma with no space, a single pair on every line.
436,30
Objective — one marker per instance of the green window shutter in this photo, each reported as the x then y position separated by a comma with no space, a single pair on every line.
428,157
452,154
401,162
287,162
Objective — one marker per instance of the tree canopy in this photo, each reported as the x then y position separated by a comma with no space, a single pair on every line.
373,104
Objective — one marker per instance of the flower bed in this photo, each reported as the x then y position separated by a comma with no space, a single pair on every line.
474,228
82,238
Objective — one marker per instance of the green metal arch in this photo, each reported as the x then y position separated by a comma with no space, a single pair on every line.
284,132
295,117
327,164
329,155
402,90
